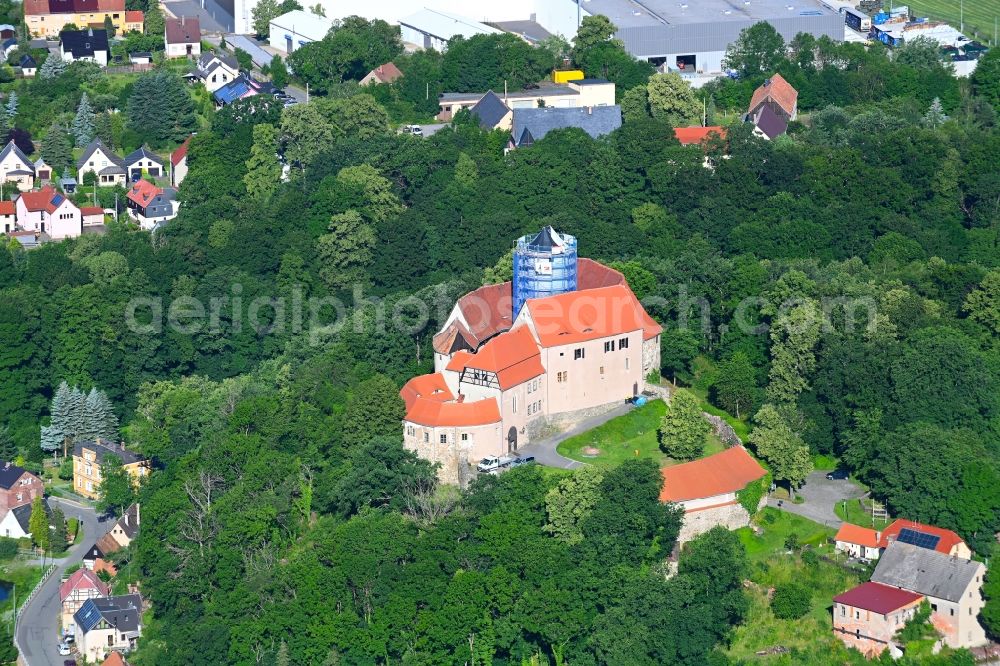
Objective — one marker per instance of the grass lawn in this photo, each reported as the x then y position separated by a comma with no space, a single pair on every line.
632,435
979,14
24,574
859,512
773,535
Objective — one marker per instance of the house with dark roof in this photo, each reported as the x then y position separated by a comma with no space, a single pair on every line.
241,87
28,66
88,458
952,585
575,93
530,125
143,161
101,161
49,212
16,523
868,617
88,45
182,37
108,623
778,94
18,486
16,167
491,112
214,70
386,73
150,205
126,528
768,123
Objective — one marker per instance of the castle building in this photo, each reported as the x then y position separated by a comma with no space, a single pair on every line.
565,340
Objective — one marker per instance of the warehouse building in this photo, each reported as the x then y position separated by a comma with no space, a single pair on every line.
297,28
691,36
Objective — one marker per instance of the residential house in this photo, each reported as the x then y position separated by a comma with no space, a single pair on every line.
779,95
699,136
8,216
150,205
127,527
16,167
868,616
98,159
178,163
868,544
769,124
859,542
46,18
143,161
575,93
8,46
96,557
707,490
241,87
491,112
18,486
115,659
48,212
135,20
107,624
43,171
16,522
530,125
293,30
182,37
215,70
93,216
88,45
87,460
952,585
28,66
386,73
507,367
81,585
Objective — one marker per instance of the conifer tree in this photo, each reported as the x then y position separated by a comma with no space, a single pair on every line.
8,447
83,123
11,109
53,66
38,523
54,434
57,146
263,169
58,538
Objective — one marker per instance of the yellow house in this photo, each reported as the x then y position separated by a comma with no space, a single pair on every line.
87,460
45,18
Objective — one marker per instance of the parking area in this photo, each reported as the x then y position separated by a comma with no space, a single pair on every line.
820,495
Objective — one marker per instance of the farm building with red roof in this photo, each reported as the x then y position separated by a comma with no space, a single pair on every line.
868,616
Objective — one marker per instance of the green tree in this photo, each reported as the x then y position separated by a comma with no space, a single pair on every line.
781,447
58,540
736,388
593,31
502,271
305,132
758,50
990,614
571,501
635,104
160,110
263,169
52,68
935,116
986,78
672,100
380,201
109,26
683,429
8,447
919,53
38,524
374,410
57,147
262,14
83,123
346,252
279,72
349,51
116,491
10,110
790,601
983,303
244,59
793,339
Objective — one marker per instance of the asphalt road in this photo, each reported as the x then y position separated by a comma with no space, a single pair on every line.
38,624
545,452
820,495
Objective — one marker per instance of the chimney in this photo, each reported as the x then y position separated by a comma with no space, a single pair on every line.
590,110
182,21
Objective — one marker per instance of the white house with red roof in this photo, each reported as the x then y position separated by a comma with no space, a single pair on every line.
92,216
81,585
178,163
869,544
150,205
500,378
8,216
47,211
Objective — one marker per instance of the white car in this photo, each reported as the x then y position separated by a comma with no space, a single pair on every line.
64,650
415,130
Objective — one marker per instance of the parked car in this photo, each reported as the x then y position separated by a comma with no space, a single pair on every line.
64,650
68,639
492,463
69,662
523,461
837,475
415,130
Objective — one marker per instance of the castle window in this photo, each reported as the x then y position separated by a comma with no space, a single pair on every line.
444,439
622,343
578,353
609,346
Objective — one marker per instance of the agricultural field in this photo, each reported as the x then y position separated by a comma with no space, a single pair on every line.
979,14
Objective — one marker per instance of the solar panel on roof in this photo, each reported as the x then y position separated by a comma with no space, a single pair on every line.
57,199
919,539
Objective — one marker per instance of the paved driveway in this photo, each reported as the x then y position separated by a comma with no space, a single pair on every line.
38,623
820,495
545,452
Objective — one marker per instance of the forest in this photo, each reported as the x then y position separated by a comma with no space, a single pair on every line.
286,524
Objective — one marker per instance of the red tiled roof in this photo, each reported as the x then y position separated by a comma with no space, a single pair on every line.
183,30
36,7
82,579
111,5
46,199
115,659
725,472
779,91
8,207
512,355
431,387
134,16
856,534
947,541
101,564
92,210
180,153
434,413
690,136
458,360
44,7
386,73
577,316
143,192
877,598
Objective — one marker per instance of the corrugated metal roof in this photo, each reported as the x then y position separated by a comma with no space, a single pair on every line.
445,25
303,23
